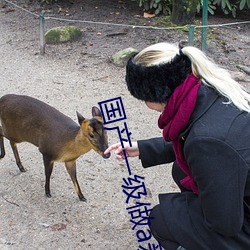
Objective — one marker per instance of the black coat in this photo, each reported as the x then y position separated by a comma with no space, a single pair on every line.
216,145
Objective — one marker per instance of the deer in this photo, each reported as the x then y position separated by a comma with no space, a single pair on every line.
58,138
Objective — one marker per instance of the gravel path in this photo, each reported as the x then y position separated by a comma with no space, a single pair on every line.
70,79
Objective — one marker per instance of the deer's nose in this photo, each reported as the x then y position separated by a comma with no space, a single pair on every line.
106,156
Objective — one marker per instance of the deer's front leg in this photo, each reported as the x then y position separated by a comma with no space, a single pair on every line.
71,168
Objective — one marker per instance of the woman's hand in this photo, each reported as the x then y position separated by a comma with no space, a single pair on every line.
130,151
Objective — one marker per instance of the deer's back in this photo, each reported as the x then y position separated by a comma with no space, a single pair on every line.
24,118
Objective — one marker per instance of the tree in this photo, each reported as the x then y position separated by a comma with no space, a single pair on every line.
183,11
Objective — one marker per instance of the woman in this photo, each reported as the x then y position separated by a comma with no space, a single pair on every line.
205,118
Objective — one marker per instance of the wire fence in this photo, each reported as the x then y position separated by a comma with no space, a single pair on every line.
191,28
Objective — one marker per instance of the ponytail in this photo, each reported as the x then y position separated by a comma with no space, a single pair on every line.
218,78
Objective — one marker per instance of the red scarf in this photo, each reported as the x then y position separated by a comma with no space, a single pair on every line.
174,119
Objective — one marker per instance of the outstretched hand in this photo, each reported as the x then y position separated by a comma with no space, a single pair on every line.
130,151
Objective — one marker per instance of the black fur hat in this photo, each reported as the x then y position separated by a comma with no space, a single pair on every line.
156,83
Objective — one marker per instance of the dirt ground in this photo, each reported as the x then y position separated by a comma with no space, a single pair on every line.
76,76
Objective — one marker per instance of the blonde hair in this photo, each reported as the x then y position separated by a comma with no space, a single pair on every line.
202,67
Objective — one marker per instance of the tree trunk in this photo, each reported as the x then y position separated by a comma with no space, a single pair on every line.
183,11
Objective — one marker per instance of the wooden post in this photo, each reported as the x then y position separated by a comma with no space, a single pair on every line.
204,24
191,35
42,31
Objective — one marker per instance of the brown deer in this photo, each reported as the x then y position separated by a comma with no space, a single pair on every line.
59,138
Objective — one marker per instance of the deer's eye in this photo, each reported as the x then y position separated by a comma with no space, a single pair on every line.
91,136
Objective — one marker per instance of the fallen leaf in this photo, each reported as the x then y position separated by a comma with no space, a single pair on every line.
147,15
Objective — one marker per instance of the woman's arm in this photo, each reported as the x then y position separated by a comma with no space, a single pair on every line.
155,151
151,152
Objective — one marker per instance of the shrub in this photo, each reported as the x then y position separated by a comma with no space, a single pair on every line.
165,6
157,6
47,1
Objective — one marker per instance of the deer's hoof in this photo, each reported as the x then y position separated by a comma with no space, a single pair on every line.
48,195
82,198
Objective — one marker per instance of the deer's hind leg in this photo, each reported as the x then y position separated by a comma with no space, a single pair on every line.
71,168
1,144
18,161
48,164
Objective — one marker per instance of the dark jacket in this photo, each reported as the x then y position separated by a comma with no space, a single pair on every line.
216,145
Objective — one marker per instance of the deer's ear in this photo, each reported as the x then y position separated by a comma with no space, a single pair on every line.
80,118
96,111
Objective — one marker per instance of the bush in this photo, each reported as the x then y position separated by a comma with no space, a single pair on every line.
47,1
156,6
165,6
